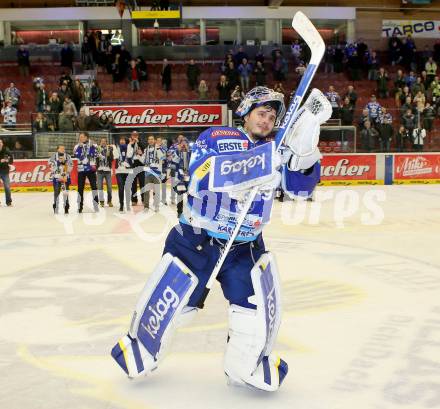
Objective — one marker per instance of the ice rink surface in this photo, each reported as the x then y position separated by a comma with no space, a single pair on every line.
361,298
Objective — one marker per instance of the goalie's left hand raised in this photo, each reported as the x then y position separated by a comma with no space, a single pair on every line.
303,138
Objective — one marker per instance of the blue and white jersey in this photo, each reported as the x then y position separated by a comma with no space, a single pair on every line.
334,98
60,166
385,118
87,154
374,109
216,212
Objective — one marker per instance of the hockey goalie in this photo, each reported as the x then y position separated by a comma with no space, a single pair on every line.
226,164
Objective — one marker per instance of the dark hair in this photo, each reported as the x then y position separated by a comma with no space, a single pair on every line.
85,133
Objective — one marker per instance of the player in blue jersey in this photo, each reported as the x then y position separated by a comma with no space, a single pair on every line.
248,276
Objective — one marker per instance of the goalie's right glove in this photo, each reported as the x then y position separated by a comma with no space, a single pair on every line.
303,137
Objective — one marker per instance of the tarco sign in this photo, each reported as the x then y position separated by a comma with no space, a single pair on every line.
127,116
348,167
416,167
415,28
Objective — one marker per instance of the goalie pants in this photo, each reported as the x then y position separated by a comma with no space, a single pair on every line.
200,253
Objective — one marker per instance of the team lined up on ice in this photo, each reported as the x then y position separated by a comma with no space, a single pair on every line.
135,165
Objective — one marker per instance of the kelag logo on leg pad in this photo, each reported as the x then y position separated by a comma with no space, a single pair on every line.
167,298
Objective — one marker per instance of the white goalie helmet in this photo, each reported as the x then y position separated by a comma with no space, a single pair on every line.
260,96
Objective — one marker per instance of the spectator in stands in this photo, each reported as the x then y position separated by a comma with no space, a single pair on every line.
405,96
373,66
66,54
363,118
374,109
40,124
351,94
354,66
368,137
133,76
431,70
2,99
67,79
245,70
223,88
232,75
418,86
65,123
87,54
109,59
401,139
346,112
107,123
338,58
226,61
419,102
54,107
116,69
239,55
329,57
42,98
64,92
103,44
95,92
78,94
192,74
394,50
82,120
410,79
142,67
9,113
428,116
435,93
279,67
418,136
69,108
23,61
409,121
260,74
166,75
203,90
424,76
334,99
124,60
382,83
6,159
236,97
385,128
406,106
13,94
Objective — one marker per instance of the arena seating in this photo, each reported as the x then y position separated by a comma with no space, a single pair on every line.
152,90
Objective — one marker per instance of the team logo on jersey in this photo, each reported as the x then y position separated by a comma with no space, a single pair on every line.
232,145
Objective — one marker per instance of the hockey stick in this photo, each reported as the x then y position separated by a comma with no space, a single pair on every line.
313,39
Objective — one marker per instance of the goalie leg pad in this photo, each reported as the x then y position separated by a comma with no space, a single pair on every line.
252,333
161,308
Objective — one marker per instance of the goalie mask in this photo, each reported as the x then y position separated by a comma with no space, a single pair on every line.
262,96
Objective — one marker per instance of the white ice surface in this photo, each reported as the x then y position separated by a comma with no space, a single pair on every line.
361,323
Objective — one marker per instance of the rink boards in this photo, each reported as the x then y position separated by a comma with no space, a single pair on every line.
30,175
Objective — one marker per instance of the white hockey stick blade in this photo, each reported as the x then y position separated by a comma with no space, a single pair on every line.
304,27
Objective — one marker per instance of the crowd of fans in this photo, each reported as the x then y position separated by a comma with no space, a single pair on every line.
413,86
414,89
